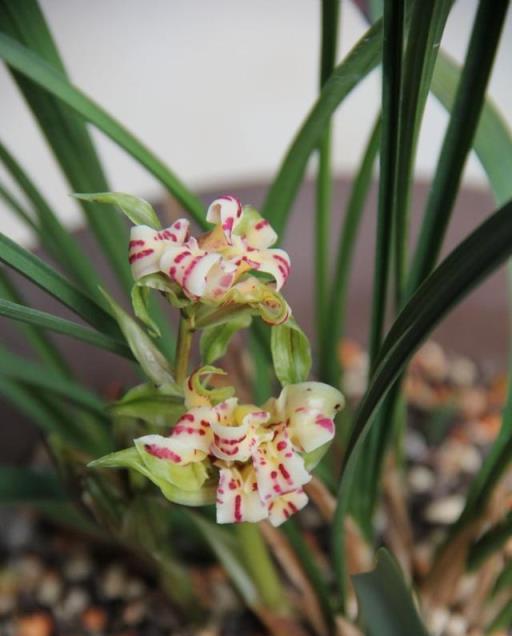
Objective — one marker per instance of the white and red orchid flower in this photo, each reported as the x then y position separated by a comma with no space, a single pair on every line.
256,451
147,246
211,268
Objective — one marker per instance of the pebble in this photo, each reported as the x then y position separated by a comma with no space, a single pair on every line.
473,402
457,626
94,619
50,589
113,582
438,620
75,602
134,612
415,446
30,570
432,360
78,568
446,510
421,479
135,588
462,371
36,624
16,530
458,457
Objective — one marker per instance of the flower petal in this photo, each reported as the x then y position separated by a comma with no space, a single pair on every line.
273,262
255,231
284,507
279,468
234,440
237,497
226,211
160,456
146,246
309,409
189,266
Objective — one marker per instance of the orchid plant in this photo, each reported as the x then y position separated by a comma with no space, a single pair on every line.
194,454
251,461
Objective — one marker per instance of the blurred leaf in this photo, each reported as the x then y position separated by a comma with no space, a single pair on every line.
16,368
50,231
47,351
329,365
139,212
15,206
503,619
64,130
26,486
475,258
42,275
215,340
225,548
361,60
504,579
44,320
29,401
149,404
33,66
291,352
153,363
491,541
386,605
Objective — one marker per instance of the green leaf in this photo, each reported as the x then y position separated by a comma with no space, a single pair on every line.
42,275
47,351
491,541
386,605
16,368
28,486
44,320
215,340
502,620
65,132
329,370
329,41
32,403
139,212
16,207
225,548
150,404
153,363
52,234
362,59
291,352
393,40
465,114
474,259
34,67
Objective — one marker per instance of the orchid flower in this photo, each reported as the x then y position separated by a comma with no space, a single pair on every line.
214,267
256,452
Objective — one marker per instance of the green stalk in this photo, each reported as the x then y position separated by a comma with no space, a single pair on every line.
183,350
259,563
329,38
336,314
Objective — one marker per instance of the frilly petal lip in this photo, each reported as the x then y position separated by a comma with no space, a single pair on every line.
237,497
147,245
226,211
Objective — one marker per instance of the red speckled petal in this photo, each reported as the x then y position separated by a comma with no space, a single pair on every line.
226,211
147,245
237,497
284,507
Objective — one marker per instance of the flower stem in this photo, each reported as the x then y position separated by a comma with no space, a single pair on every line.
260,565
183,349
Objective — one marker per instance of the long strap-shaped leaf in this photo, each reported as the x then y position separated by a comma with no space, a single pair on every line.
474,259
59,242
33,66
42,275
65,132
46,350
26,485
457,142
16,368
362,59
45,320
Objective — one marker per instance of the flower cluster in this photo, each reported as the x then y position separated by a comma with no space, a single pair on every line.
214,268
254,454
